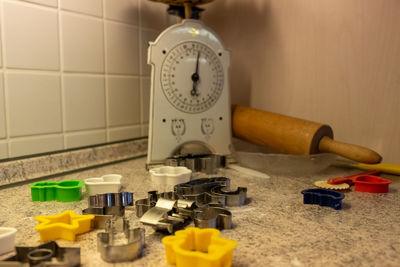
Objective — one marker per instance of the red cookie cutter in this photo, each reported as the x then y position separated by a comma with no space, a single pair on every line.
364,182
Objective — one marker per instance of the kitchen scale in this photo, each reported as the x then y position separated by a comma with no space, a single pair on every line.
189,99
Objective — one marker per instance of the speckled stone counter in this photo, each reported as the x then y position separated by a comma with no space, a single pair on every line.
274,229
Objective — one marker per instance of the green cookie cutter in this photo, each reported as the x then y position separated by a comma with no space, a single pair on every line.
65,191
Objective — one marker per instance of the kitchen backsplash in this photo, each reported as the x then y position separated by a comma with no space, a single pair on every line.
73,73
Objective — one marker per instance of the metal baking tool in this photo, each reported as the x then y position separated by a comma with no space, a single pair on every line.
111,199
143,205
45,255
103,214
233,198
109,183
201,185
7,237
323,197
198,247
167,215
64,191
113,251
206,163
213,217
65,226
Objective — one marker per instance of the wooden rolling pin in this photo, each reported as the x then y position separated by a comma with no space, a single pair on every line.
291,135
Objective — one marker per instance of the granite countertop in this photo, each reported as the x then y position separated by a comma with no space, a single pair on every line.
274,229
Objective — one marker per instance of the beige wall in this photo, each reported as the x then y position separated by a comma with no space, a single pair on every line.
336,62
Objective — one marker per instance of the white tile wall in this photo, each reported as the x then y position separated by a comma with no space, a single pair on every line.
73,73
30,36
123,100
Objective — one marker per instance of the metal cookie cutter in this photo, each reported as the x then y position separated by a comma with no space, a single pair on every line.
201,185
103,214
198,247
233,198
109,183
111,199
213,217
45,255
132,248
207,163
168,215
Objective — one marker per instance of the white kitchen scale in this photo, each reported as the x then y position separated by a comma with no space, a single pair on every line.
189,99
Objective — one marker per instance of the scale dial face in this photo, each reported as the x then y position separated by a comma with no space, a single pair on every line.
192,77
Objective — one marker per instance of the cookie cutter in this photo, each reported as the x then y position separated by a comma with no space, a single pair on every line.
143,205
112,252
364,182
201,185
7,239
323,197
111,199
103,214
206,163
44,255
64,191
213,217
232,198
109,183
167,215
198,247
65,226
168,175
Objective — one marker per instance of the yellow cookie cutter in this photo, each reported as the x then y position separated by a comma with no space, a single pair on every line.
65,226
198,247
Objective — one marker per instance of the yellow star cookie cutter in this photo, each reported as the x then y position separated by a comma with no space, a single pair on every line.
65,226
198,247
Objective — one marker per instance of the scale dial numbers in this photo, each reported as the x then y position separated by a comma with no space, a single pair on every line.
192,77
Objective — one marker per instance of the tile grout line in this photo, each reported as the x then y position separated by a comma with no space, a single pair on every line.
106,78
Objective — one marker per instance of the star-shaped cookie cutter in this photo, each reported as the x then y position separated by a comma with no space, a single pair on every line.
65,226
198,247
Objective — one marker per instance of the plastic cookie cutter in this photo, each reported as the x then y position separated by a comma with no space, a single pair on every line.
65,226
206,163
64,191
323,197
111,199
232,198
170,176
198,247
7,237
44,255
132,248
363,182
110,183
103,214
213,217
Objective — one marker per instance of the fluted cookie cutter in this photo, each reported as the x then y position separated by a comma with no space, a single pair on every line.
64,191
65,226
111,251
7,238
206,163
45,255
198,247
323,197
103,214
169,175
111,199
109,183
213,217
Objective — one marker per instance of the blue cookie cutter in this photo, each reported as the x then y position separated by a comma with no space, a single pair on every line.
323,197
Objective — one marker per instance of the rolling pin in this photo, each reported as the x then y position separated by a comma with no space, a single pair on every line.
291,135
